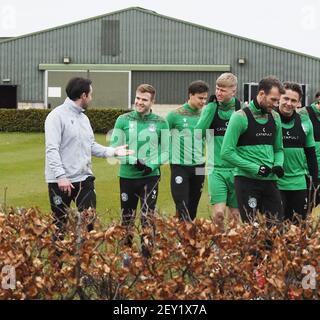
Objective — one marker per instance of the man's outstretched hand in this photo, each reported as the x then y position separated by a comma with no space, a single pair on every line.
122,151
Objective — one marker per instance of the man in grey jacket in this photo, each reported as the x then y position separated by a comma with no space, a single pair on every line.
69,146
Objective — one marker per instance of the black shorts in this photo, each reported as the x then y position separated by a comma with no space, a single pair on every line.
186,189
83,195
258,195
294,202
133,190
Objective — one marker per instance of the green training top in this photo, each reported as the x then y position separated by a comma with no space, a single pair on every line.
214,142
295,159
148,136
304,112
248,159
186,147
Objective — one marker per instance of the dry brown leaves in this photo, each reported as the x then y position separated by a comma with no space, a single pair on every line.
189,260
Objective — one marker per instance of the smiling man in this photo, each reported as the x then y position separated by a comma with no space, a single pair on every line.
298,142
187,152
253,145
144,132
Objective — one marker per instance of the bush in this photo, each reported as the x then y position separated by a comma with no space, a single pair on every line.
22,120
189,261
103,120
31,120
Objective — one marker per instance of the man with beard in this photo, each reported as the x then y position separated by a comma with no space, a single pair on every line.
253,145
70,144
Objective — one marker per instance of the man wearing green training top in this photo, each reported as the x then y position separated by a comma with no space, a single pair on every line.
187,152
313,112
213,123
139,175
298,143
253,144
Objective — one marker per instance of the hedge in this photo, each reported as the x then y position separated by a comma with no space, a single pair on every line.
31,120
189,260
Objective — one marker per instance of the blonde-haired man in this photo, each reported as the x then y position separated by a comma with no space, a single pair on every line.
214,121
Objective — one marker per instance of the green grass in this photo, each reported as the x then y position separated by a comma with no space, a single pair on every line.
22,173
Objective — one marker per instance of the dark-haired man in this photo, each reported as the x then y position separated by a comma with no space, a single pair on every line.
187,152
70,144
298,142
253,145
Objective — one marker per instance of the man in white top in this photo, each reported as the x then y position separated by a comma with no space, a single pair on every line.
69,146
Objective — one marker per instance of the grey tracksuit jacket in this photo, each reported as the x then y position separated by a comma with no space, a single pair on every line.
70,144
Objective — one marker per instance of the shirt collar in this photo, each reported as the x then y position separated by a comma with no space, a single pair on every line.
186,106
145,117
73,107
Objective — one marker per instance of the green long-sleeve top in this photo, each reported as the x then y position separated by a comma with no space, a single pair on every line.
186,147
214,143
294,164
148,136
248,159
304,112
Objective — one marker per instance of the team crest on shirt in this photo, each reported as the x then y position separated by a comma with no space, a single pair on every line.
152,127
124,197
178,180
57,200
253,203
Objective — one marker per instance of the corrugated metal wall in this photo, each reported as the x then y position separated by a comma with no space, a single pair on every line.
172,87
147,38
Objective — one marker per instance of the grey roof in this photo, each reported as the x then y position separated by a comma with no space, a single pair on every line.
164,17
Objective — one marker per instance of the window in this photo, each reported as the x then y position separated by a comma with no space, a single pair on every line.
110,37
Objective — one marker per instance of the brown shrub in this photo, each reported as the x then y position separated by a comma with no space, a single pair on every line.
191,261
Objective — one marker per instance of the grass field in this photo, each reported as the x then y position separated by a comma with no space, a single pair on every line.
22,173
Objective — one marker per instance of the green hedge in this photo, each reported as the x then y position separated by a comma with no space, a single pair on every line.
31,120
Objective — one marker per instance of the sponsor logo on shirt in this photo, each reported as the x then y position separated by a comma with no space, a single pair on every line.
264,133
185,123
